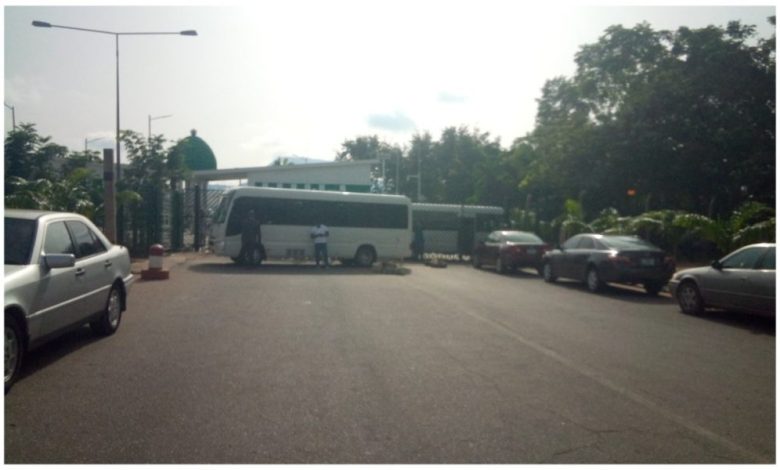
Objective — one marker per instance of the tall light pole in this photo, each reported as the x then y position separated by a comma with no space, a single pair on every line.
189,32
13,114
150,123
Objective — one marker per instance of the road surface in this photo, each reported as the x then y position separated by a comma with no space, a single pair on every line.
293,364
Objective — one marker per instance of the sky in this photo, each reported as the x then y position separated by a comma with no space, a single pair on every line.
300,77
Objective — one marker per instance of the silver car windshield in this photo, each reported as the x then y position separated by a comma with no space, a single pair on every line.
19,238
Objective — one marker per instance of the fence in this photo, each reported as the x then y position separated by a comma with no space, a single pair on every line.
168,217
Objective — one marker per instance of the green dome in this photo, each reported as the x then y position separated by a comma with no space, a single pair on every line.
197,153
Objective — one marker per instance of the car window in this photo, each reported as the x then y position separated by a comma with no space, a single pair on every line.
586,243
19,239
58,239
571,243
521,237
768,262
743,259
493,237
88,244
623,243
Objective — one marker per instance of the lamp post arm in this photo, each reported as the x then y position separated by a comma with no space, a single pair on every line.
42,24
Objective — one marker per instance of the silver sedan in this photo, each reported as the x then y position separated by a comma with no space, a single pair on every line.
60,272
742,281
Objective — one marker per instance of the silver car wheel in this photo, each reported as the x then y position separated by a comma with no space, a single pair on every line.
108,323
689,299
547,273
11,353
114,310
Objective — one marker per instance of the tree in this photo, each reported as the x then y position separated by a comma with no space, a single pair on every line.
418,168
282,161
371,148
459,167
30,156
77,160
151,170
70,194
684,119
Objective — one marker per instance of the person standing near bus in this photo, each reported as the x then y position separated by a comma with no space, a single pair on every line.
418,243
319,234
250,238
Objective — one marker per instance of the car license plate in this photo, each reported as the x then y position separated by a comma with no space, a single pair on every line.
647,262
531,251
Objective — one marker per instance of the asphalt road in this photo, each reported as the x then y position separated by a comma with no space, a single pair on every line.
293,364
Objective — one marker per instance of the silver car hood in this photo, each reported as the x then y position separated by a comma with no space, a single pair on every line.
13,273
692,271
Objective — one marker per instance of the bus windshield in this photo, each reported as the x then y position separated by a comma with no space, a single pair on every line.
222,210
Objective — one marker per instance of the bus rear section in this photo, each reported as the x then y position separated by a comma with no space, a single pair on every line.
363,228
452,229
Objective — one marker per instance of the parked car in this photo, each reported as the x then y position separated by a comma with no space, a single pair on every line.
60,272
598,259
743,281
510,250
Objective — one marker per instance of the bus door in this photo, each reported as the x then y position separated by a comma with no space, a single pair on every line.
465,236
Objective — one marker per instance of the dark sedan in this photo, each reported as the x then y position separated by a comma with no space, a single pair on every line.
598,259
510,250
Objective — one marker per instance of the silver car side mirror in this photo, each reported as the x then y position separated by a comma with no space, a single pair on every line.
60,260
717,265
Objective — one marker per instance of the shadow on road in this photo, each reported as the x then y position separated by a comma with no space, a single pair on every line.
57,349
754,323
525,273
625,293
277,269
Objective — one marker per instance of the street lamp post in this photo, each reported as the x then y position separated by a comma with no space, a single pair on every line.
87,141
189,32
13,114
150,123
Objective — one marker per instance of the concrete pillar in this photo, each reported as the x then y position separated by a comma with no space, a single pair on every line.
198,215
109,195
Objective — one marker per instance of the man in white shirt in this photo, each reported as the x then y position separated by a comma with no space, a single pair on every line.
319,234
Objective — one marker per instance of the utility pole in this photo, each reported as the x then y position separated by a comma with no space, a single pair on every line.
150,124
87,141
13,114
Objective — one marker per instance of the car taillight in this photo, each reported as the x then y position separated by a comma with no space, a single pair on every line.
669,261
617,258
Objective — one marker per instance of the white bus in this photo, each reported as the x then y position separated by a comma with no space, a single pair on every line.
453,229
363,227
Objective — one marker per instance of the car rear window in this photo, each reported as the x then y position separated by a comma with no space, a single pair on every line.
521,237
19,239
627,243
769,260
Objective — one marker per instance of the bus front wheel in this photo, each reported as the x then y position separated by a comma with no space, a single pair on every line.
365,256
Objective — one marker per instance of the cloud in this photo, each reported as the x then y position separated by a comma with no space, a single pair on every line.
25,89
451,98
397,122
